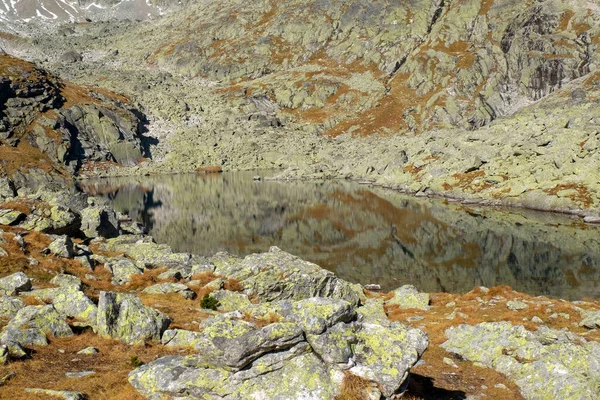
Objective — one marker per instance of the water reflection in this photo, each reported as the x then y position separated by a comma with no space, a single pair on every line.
365,235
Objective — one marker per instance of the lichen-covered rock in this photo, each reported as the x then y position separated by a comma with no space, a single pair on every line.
122,270
69,302
516,305
62,247
99,222
31,325
590,319
385,354
10,217
546,364
152,255
316,314
15,283
7,189
124,317
408,296
230,301
334,345
181,338
296,374
67,281
277,275
372,311
9,306
163,288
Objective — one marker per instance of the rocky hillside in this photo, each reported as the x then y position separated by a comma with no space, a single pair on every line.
491,101
50,129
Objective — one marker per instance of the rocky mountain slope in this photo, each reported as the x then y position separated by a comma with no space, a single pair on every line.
50,129
482,100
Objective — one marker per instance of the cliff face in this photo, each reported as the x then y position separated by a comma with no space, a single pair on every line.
371,67
51,129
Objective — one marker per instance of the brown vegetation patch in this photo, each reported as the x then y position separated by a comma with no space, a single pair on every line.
486,6
354,387
565,19
112,364
212,169
184,313
581,193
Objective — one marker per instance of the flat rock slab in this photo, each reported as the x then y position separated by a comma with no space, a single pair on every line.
545,364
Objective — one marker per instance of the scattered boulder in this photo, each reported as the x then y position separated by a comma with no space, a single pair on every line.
516,305
124,317
62,247
71,57
545,364
7,189
67,281
230,301
99,222
385,354
14,284
408,296
11,217
9,306
316,314
277,275
591,319
31,325
69,302
163,288
122,270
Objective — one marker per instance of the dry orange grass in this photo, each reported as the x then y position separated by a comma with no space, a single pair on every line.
354,387
48,366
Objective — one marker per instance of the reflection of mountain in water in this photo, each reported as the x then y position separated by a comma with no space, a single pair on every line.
366,235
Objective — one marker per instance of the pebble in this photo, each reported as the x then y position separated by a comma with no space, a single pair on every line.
81,374
88,351
516,305
450,362
537,320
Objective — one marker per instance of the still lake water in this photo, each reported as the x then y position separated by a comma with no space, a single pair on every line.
365,235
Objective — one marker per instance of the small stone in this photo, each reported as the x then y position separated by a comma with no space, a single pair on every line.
81,374
537,320
450,362
500,386
516,305
415,318
451,304
63,394
408,296
88,351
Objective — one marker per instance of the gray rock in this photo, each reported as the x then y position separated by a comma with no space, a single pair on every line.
278,275
316,314
62,247
81,374
62,394
386,354
88,351
181,338
163,288
124,317
9,306
545,364
408,296
122,270
590,319
99,222
31,325
7,189
67,281
14,284
516,305
231,301
334,345
71,57
11,217
372,311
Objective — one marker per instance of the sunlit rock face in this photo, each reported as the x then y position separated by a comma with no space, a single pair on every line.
366,235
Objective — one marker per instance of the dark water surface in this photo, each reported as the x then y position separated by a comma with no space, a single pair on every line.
366,235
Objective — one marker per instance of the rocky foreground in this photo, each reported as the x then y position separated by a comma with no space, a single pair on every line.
92,307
